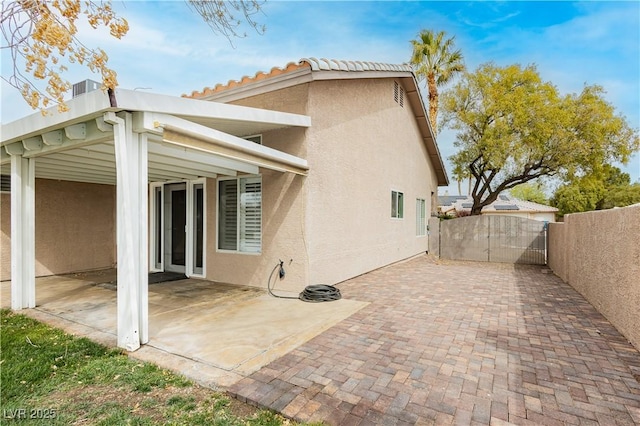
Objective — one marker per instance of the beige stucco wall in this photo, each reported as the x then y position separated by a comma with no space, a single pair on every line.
283,205
557,250
75,228
291,99
598,254
362,145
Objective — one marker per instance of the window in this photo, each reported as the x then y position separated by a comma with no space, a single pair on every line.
240,214
421,217
397,204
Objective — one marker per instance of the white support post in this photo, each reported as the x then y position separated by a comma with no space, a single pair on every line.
131,195
188,264
143,240
23,244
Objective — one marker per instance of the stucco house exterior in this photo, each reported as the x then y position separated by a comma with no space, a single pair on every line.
330,166
505,205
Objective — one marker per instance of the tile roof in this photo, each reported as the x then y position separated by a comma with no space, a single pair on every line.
304,63
340,65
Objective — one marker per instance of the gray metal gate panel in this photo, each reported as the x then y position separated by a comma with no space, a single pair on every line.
494,238
465,238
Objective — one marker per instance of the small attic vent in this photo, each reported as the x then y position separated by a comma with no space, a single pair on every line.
85,86
398,93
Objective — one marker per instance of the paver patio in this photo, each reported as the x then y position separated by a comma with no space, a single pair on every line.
458,343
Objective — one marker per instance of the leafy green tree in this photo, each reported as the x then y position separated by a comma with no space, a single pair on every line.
435,60
613,176
582,195
621,196
611,187
512,128
530,192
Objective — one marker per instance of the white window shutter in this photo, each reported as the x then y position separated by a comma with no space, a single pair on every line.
228,215
250,215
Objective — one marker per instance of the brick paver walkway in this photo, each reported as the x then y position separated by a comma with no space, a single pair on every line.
458,343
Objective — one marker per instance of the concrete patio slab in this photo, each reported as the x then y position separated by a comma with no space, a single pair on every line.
214,333
458,343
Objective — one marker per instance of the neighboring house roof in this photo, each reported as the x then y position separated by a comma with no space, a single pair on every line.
504,203
310,69
448,200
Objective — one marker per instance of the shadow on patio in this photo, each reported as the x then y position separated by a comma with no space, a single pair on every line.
214,333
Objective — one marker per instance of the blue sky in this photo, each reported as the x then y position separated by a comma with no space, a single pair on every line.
170,50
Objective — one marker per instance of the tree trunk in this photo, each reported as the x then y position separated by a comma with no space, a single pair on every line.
476,210
433,101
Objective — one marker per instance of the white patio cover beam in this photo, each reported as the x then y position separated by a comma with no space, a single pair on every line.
23,241
182,132
177,154
131,211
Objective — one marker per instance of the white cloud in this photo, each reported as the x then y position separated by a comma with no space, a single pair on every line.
170,49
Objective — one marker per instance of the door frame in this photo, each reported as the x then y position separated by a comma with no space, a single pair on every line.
169,209
157,249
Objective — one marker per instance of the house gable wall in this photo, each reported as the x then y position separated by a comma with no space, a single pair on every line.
336,222
75,228
362,145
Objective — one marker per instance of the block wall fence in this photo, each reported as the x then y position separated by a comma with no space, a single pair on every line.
598,254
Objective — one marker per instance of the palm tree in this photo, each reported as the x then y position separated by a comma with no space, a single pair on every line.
435,60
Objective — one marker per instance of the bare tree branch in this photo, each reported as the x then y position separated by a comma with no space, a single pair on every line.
221,15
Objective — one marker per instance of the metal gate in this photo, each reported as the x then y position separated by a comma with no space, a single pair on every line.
494,238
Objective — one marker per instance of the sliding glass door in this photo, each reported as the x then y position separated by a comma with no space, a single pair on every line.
178,227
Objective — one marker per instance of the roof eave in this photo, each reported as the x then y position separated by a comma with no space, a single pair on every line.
417,104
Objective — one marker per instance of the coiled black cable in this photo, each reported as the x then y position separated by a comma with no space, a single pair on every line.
312,293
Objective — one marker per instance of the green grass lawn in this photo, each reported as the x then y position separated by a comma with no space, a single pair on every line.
50,377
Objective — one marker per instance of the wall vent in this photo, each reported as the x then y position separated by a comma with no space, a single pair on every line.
85,86
398,93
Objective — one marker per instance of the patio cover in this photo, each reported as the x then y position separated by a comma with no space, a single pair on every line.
129,138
